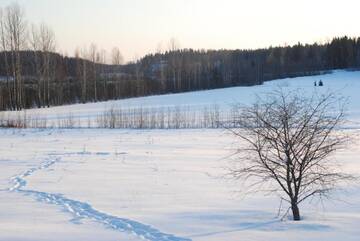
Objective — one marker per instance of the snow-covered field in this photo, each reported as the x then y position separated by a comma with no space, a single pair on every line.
102,184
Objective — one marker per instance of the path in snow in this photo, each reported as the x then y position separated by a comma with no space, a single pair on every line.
82,210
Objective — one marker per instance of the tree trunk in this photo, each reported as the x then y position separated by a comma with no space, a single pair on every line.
295,211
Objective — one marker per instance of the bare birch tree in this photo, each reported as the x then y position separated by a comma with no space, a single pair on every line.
116,59
4,49
103,76
94,59
15,32
84,75
47,43
289,139
174,46
42,41
116,56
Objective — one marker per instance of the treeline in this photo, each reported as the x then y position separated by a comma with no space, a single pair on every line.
187,69
32,74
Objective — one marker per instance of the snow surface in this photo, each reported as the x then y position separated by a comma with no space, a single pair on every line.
101,184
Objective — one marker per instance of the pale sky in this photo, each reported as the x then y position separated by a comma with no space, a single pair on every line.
138,26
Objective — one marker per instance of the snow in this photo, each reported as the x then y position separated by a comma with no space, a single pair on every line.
102,184
81,210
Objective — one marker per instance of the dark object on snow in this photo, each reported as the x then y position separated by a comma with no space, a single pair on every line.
321,83
315,83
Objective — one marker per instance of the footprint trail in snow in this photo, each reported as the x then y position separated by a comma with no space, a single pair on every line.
82,210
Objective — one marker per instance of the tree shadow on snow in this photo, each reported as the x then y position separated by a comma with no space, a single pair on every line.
243,220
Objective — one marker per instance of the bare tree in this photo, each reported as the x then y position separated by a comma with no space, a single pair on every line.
4,49
35,46
289,141
159,51
103,77
174,63
42,41
173,44
116,59
94,59
15,32
83,74
116,56
47,43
